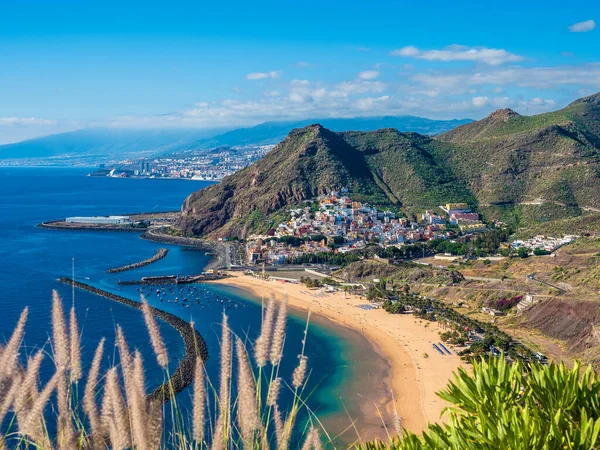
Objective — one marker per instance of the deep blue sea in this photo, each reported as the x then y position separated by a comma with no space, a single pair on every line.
31,260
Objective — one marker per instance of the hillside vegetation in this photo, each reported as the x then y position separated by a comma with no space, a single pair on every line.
528,170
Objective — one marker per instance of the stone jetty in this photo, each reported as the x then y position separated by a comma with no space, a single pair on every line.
160,254
195,346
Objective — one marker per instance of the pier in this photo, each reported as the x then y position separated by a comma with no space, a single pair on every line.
160,254
195,346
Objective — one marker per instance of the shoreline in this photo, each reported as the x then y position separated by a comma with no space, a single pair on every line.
416,371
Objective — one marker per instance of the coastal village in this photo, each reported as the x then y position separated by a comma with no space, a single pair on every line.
336,223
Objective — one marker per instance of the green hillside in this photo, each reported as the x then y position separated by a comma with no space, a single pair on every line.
526,169
509,159
384,167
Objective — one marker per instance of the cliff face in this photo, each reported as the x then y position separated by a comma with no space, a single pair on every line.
505,159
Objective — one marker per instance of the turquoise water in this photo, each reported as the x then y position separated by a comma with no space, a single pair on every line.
31,260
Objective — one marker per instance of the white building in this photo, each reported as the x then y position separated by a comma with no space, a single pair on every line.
104,220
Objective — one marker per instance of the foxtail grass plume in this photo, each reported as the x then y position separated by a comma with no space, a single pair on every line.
90,406
279,426
248,418
27,393
276,352
114,415
274,389
10,353
300,372
199,401
75,347
124,355
155,425
313,440
32,425
160,350
59,333
221,431
263,342
10,390
137,403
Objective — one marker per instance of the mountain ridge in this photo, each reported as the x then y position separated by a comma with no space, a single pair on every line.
546,166
102,144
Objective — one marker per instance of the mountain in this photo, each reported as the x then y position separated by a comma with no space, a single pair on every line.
274,132
385,167
540,168
549,159
102,144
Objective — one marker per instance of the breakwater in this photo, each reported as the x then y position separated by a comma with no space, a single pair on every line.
172,279
160,254
195,346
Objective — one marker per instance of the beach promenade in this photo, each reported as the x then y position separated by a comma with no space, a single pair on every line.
418,371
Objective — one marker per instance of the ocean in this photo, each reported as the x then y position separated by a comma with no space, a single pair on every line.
32,259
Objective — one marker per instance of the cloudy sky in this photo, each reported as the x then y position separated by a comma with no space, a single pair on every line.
72,64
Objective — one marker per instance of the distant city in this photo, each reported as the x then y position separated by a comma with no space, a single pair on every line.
209,165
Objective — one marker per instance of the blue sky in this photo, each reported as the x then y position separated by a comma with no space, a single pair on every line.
72,64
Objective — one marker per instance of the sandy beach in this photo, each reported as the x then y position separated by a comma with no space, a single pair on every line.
417,370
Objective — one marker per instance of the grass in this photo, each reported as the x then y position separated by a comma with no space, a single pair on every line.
115,411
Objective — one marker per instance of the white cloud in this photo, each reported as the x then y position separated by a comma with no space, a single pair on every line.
582,27
479,102
528,77
20,121
263,75
304,64
368,75
406,51
491,56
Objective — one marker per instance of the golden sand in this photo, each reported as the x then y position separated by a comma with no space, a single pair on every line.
418,371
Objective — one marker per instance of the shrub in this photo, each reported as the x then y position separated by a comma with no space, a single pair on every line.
502,406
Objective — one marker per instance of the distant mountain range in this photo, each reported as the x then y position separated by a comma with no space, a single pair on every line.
537,168
105,144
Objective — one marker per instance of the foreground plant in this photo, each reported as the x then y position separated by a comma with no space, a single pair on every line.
121,415
502,406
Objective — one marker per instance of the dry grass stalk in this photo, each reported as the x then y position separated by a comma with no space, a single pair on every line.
263,342
199,401
90,406
137,403
247,408
221,432
8,396
313,441
10,353
160,350
75,347
276,352
32,425
114,415
300,372
274,389
65,432
27,393
59,333
279,426
155,425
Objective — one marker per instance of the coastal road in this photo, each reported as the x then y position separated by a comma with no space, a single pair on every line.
531,277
